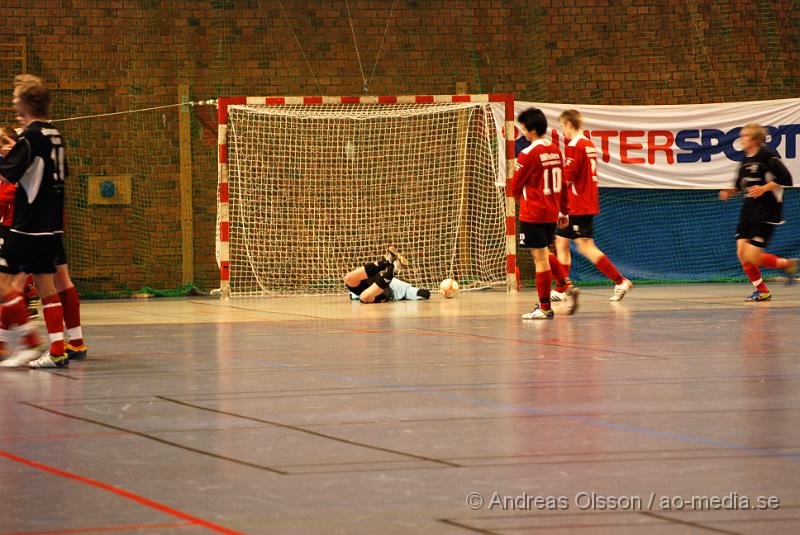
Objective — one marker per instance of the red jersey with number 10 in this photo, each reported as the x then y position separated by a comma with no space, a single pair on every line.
580,176
537,183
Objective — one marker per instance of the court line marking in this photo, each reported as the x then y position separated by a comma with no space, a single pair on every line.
689,523
120,492
104,529
594,421
310,432
456,524
156,439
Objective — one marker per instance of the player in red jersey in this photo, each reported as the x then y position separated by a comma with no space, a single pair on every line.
580,181
537,183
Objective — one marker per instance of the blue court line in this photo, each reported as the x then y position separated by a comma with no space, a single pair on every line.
538,411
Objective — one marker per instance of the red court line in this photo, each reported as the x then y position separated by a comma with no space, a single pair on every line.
120,492
129,527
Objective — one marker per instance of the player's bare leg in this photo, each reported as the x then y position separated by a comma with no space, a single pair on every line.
560,266
597,257
379,287
366,271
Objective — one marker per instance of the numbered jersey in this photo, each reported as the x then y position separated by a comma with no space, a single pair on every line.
580,176
36,164
537,183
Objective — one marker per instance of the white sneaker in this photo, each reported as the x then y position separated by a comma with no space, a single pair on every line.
538,314
621,289
20,358
48,361
571,299
555,295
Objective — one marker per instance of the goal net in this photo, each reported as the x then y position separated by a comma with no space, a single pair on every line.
311,190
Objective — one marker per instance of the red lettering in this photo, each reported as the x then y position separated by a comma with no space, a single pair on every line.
666,146
625,145
604,136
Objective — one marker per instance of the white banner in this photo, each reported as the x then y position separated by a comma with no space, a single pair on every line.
685,146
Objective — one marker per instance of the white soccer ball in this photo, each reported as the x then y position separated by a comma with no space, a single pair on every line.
448,288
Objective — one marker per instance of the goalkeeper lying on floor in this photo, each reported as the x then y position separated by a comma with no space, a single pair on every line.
375,282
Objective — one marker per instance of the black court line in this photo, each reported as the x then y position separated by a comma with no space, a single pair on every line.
313,433
691,524
157,439
466,527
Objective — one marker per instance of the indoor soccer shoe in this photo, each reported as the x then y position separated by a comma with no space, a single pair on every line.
555,295
76,352
539,314
49,361
621,289
571,299
395,257
21,357
791,271
759,296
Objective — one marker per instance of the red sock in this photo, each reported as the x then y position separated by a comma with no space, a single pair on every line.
30,289
15,313
771,261
557,269
54,320
544,281
607,268
72,315
754,274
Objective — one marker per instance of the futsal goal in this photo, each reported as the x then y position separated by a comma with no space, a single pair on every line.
311,187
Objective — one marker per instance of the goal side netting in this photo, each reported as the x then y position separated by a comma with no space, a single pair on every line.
315,190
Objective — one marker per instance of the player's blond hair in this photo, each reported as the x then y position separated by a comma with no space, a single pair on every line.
33,93
572,117
757,133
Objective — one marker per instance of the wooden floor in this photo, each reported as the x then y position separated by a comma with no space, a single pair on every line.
324,416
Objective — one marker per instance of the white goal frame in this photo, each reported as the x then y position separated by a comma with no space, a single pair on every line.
223,213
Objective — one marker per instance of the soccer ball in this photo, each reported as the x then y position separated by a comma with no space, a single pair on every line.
448,288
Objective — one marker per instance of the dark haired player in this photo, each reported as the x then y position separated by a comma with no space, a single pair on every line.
762,177
537,184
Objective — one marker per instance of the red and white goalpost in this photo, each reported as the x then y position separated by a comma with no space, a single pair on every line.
311,187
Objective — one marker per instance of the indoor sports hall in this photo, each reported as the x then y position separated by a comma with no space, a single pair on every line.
232,166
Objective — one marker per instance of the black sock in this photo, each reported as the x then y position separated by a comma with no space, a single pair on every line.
423,294
389,273
373,268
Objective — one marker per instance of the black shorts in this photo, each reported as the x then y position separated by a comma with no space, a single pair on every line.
536,235
61,252
580,226
35,255
366,283
757,234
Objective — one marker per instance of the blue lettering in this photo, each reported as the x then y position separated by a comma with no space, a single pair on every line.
713,141
683,141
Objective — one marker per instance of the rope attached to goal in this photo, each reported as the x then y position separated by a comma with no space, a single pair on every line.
211,102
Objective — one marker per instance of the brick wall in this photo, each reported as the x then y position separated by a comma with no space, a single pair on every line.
119,55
